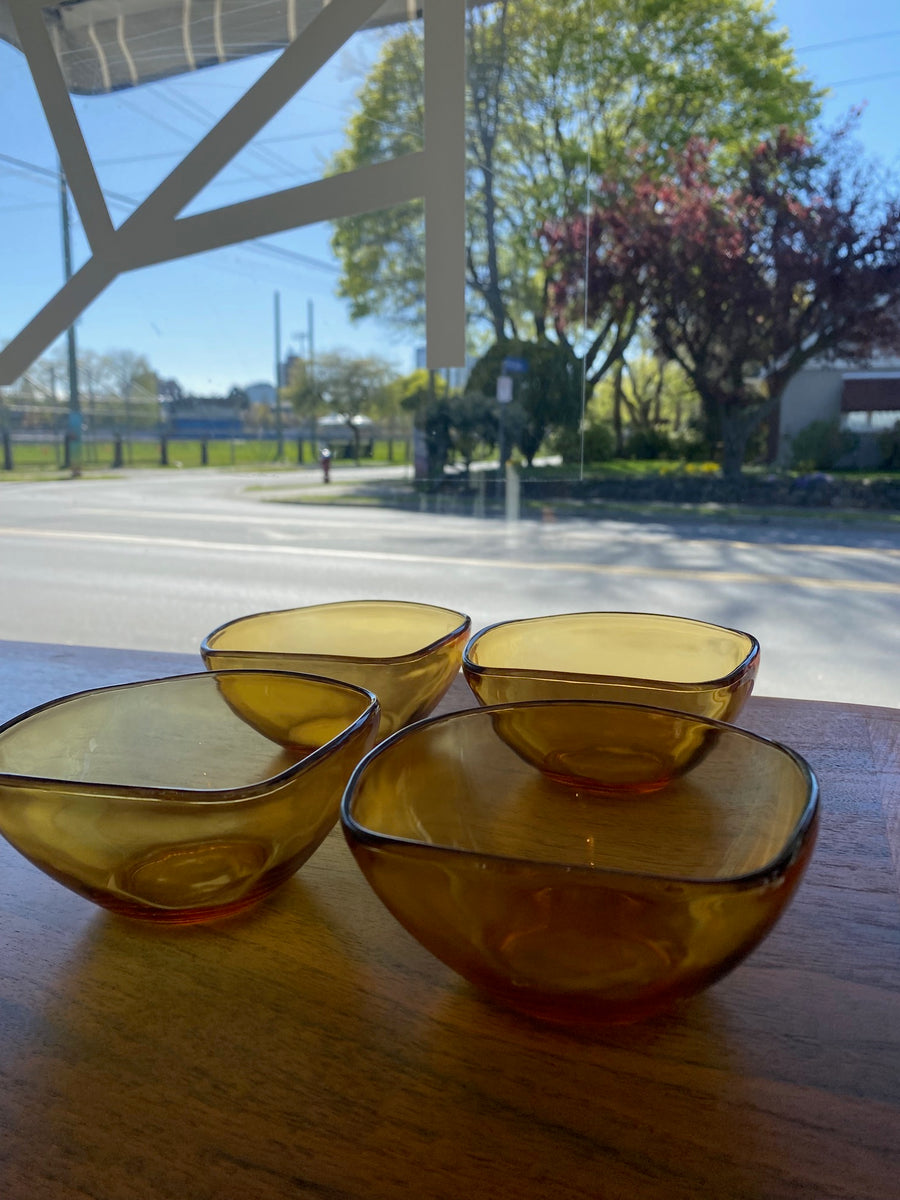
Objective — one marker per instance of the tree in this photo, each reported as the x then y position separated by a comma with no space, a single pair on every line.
451,425
341,385
547,394
473,423
395,420
644,397
303,394
743,282
426,396
552,98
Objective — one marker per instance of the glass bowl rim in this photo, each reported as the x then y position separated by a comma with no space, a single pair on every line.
736,673
774,868
465,624
184,795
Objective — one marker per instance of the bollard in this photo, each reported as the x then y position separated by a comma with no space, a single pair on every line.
7,451
117,451
204,453
163,451
512,493
478,505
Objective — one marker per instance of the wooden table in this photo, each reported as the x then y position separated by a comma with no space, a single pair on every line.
311,1048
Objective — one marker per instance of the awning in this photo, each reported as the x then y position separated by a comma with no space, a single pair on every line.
104,45
878,392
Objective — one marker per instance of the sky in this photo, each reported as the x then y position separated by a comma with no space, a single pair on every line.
208,321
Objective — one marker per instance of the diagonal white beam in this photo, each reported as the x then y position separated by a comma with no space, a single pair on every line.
445,189
70,144
57,315
364,190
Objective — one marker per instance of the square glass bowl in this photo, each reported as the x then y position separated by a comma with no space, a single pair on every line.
634,658
185,798
569,898
408,654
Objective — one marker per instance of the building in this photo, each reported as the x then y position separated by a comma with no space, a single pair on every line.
864,400
261,393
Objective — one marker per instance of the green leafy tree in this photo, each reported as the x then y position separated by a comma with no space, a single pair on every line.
557,93
396,421
303,394
546,395
645,395
473,424
340,385
426,397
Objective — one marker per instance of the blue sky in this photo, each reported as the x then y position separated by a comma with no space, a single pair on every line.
209,320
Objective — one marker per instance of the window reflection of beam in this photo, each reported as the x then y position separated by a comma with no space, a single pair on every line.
322,38
152,233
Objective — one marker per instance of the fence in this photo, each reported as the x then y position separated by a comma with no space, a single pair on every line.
30,452
127,433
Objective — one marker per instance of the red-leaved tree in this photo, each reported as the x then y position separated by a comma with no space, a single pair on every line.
741,282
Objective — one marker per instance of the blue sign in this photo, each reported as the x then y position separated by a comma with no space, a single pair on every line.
515,366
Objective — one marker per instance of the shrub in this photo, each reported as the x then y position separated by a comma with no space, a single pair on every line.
648,444
599,444
889,449
821,446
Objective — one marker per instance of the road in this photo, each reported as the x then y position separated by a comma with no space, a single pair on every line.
156,560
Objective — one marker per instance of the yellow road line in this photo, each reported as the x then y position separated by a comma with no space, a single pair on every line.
269,521
618,569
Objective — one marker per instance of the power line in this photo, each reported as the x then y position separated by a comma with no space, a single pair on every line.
258,247
31,167
295,256
51,174
863,79
271,141
848,41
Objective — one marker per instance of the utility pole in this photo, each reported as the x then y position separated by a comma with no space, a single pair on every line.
311,370
279,430
73,434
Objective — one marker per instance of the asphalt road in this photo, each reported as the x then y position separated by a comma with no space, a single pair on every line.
154,561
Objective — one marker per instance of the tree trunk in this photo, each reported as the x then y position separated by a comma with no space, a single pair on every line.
617,410
737,425
735,429
734,446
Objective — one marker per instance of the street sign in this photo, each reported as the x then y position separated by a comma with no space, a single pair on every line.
515,366
504,389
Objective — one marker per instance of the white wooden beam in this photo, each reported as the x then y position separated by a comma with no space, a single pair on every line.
445,187
368,189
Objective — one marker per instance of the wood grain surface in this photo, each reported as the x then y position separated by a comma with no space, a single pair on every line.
311,1048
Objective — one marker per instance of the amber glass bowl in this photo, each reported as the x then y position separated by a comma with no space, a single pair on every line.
185,798
634,658
569,902
407,654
